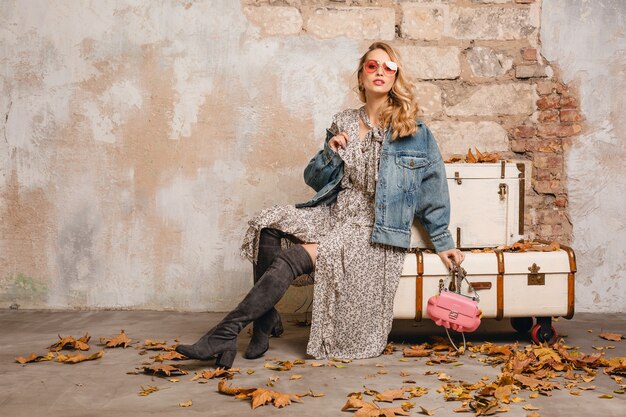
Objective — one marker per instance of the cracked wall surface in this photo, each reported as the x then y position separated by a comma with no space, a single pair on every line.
139,137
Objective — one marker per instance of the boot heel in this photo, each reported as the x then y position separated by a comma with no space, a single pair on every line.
226,359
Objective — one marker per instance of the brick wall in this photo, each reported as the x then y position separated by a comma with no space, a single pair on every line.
479,74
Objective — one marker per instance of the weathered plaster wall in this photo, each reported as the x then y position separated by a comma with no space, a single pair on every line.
137,137
588,40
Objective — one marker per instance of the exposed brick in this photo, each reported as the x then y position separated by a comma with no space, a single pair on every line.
431,62
525,131
530,71
354,22
547,160
549,102
548,186
549,216
542,174
520,145
524,1
549,145
569,102
561,201
529,54
549,116
275,20
570,116
502,23
558,130
422,22
545,87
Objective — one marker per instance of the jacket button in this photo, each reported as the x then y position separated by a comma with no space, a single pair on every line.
411,164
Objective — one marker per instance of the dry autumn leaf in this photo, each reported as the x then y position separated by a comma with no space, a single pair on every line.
35,358
390,395
68,342
119,340
164,370
149,390
426,412
216,373
615,337
417,352
186,404
169,356
279,366
365,409
78,357
260,396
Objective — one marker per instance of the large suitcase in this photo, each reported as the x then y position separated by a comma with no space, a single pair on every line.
486,205
516,285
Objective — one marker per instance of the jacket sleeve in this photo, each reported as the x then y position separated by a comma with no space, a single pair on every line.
323,166
433,199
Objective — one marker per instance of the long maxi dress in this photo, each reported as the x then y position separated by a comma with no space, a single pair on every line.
355,280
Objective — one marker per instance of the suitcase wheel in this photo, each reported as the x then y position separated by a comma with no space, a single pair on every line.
522,324
544,335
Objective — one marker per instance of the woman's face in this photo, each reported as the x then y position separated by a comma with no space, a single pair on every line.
378,73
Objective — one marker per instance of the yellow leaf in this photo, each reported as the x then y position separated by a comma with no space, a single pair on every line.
119,340
296,376
426,412
186,404
606,396
78,357
148,391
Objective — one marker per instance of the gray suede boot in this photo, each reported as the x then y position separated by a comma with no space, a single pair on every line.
222,342
270,322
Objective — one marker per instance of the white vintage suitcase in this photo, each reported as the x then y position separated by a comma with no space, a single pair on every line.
518,285
487,205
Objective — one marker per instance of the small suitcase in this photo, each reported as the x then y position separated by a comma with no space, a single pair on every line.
517,285
486,205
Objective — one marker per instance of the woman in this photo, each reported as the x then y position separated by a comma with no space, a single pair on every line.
378,170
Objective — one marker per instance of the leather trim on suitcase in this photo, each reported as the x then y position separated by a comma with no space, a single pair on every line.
500,285
419,284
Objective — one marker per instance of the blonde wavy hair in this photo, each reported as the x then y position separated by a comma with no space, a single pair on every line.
400,110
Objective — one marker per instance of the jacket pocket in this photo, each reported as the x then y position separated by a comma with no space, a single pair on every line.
411,167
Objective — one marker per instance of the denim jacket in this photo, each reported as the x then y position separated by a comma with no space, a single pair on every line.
411,183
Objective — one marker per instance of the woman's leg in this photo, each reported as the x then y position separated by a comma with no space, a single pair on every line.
287,266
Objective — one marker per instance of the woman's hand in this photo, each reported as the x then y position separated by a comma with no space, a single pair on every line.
447,256
338,141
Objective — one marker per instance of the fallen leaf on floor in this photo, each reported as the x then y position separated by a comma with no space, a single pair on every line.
171,355
166,370
35,358
68,342
271,380
317,364
530,407
614,337
216,373
426,412
366,409
606,396
279,366
174,380
407,405
156,345
389,349
119,340
250,371
259,396
390,395
186,404
78,357
415,392
402,373
417,352
312,394
295,376
149,390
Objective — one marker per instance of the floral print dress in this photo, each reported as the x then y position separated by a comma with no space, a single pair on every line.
355,280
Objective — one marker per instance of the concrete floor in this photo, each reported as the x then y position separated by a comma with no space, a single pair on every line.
103,387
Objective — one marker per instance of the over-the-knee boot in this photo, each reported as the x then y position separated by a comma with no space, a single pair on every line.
269,248
287,266
270,322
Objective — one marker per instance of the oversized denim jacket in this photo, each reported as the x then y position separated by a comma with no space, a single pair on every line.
411,182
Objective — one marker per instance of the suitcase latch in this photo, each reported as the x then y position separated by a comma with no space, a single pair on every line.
502,191
457,177
536,278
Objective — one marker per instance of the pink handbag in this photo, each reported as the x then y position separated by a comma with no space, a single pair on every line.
453,310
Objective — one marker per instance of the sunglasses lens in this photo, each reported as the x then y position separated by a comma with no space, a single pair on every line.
390,67
370,66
